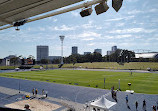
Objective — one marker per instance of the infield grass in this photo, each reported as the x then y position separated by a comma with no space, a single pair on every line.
141,82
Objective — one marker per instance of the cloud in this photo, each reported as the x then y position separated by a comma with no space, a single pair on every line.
135,12
62,28
119,19
133,30
118,36
88,39
55,20
91,25
42,29
132,0
75,14
120,24
153,10
91,44
88,34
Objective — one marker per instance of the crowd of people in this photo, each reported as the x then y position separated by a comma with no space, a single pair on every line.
114,96
35,91
34,94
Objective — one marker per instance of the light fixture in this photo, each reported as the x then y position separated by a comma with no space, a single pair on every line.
116,4
86,12
101,8
19,23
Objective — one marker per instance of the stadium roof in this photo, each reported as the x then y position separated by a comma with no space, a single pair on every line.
15,10
146,55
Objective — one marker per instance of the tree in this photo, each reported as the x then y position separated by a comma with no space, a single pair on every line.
15,61
57,61
31,57
126,56
44,61
97,57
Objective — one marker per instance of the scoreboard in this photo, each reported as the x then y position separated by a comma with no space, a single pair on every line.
28,61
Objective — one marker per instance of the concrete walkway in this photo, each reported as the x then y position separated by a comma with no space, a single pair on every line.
65,103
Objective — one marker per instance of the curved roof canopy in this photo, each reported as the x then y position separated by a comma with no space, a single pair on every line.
146,55
15,10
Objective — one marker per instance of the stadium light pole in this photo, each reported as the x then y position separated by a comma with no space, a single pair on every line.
62,39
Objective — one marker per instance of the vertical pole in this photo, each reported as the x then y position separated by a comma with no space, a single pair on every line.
62,39
61,52
119,83
104,83
19,85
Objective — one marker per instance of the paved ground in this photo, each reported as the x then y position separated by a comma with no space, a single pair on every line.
80,95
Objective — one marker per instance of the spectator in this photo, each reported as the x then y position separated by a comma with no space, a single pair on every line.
112,91
144,105
33,91
136,105
27,107
36,91
154,108
126,99
94,109
42,91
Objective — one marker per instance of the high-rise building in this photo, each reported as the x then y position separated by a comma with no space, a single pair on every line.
74,50
114,48
42,52
98,51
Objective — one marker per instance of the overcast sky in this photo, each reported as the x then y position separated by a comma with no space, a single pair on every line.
134,27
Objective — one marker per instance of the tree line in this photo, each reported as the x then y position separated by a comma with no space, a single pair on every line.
119,56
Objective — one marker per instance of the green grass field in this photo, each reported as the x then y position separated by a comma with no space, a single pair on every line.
141,82
114,65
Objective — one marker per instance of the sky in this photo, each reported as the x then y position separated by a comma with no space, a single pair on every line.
134,27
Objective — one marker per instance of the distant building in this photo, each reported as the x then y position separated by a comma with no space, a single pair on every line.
85,53
114,48
109,52
51,58
98,51
42,52
74,50
147,55
6,60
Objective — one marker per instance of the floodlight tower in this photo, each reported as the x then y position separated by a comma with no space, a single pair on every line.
62,39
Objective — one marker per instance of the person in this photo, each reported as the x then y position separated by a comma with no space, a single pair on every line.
33,91
112,91
94,109
46,94
126,99
154,108
144,105
36,91
131,73
27,107
115,95
42,91
157,105
136,105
